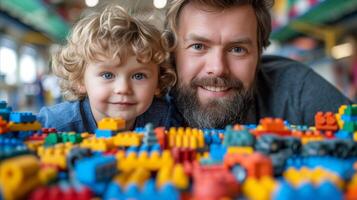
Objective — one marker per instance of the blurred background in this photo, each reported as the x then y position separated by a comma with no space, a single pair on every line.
319,33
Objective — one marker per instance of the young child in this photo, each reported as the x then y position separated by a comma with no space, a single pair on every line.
113,65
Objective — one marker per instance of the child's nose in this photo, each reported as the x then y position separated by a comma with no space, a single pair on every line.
122,87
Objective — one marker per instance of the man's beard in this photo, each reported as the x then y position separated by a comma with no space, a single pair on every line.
218,112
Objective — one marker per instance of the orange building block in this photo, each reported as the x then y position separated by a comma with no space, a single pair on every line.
272,125
326,121
4,126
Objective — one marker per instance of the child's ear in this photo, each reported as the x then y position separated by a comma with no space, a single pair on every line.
81,89
157,92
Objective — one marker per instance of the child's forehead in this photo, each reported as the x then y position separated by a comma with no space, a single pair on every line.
118,61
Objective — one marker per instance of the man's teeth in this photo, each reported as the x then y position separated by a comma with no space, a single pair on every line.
215,89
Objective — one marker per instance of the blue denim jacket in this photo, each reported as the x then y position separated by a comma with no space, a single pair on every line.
77,116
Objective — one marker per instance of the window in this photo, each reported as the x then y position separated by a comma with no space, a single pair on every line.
8,63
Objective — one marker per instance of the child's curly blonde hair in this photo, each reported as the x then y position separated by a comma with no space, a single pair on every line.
112,33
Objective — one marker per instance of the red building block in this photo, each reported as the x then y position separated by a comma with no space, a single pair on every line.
326,121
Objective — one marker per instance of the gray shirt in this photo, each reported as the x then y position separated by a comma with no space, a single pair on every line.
292,91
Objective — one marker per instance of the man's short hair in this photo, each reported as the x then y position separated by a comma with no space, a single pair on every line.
261,8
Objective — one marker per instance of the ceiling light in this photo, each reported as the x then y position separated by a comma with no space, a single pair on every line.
342,51
160,3
91,3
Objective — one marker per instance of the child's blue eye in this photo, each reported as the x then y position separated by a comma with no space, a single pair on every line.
107,75
139,76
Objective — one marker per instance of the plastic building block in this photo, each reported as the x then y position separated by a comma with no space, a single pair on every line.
149,135
48,130
19,172
22,117
5,113
104,133
259,188
58,193
4,126
240,150
52,139
127,139
326,121
214,182
238,138
77,154
11,147
56,155
272,126
32,126
188,137
3,104
113,124
256,164
153,162
95,169
98,144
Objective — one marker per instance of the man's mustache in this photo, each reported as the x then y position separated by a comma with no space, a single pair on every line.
217,82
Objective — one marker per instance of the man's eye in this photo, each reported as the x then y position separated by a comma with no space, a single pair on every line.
238,50
107,75
139,76
197,46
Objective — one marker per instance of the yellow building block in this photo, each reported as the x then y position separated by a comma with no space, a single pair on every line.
19,176
114,124
46,175
179,177
98,144
254,190
127,139
55,155
24,126
240,150
163,176
139,177
153,162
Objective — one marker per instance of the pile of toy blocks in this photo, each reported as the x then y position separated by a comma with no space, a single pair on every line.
269,160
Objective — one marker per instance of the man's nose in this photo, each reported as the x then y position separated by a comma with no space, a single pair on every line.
216,63
122,86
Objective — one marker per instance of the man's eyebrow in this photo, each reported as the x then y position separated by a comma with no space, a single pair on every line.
242,41
194,37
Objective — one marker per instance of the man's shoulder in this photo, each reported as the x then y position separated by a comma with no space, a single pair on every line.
281,67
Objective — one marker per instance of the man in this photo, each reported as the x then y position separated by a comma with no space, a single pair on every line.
222,76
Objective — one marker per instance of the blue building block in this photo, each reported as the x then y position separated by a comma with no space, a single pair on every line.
285,192
139,129
95,169
217,152
132,192
168,191
215,138
349,118
113,192
341,134
22,117
3,104
5,113
327,190
306,191
104,133
10,147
